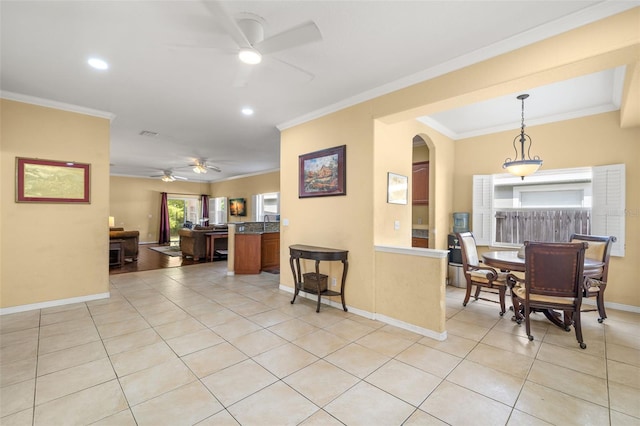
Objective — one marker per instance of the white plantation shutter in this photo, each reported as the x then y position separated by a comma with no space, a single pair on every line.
482,209
608,209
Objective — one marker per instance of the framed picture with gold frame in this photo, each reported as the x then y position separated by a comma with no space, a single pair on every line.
50,181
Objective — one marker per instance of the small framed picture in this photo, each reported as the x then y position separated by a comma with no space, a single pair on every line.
397,187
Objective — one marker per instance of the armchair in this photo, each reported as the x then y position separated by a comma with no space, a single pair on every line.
553,281
596,283
479,275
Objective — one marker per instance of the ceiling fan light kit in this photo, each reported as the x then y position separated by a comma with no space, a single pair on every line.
250,56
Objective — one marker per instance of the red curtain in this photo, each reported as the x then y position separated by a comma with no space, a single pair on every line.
205,209
165,227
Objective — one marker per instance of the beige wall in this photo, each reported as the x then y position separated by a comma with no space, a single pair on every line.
135,202
50,252
360,219
246,187
590,141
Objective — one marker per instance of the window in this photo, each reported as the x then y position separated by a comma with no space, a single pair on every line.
218,210
267,204
182,210
550,206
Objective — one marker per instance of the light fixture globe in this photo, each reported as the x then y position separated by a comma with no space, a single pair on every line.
524,166
250,56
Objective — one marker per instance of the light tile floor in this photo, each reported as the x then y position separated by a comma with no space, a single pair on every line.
190,345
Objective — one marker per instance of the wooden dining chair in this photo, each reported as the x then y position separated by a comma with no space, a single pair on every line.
552,281
596,283
481,276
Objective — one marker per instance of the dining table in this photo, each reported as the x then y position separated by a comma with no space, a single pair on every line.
514,260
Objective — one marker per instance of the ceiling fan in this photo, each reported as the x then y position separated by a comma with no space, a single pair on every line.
168,176
202,167
248,34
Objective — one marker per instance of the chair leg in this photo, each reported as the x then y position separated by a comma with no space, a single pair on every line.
600,303
527,321
467,295
578,327
517,316
477,292
502,291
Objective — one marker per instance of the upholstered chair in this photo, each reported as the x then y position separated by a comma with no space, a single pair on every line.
482,277
595,282
553,281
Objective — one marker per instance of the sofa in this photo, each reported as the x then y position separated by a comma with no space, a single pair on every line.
130,244
193,242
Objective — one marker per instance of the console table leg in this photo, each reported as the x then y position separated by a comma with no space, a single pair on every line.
295,279
345,267
318,283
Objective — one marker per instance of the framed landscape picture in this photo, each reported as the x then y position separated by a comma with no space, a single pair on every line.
322,173
49,181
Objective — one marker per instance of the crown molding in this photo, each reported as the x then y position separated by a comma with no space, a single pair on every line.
18,97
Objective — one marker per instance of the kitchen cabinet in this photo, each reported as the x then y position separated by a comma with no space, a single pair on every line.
270,251
248,249
420,242
420,183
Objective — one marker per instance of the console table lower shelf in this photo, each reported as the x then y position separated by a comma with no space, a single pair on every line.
299,251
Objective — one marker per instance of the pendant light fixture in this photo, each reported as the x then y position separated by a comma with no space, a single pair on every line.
524,166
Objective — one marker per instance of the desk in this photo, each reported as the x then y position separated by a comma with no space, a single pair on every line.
510,261
299,251
211,242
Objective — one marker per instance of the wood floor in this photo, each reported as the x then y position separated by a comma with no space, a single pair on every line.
151,259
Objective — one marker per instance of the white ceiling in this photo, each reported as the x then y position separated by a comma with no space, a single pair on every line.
172,70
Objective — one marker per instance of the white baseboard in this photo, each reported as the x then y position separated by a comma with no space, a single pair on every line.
612,305
52,303
372,316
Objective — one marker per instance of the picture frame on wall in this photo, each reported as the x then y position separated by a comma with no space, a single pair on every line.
237,206
323,173
51,181
397,188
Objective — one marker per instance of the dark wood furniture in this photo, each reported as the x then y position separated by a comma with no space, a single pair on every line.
247,253
212,252
419,242
509,260
318,254
116,253
270,251
595,284
481,276
420,183
553,281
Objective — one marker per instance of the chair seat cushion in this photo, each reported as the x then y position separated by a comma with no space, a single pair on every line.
481,276
520,291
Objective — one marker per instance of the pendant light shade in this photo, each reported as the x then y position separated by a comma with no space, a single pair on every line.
522,165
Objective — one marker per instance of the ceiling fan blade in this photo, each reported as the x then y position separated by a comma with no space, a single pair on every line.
294,37
242,76
214,168
295,67
179,177
222,15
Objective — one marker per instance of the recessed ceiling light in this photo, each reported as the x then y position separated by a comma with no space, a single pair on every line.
98,64
247,111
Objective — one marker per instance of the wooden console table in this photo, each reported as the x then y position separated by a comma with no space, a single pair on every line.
318,254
